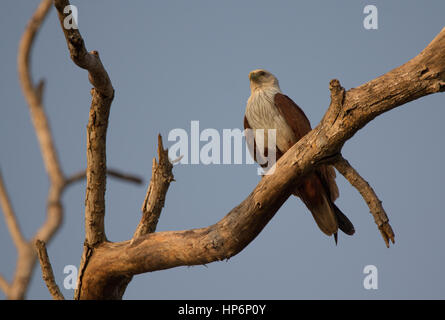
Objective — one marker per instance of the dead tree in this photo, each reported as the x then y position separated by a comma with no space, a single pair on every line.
27,255
107,267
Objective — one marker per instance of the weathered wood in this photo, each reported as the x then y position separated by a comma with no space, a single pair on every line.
47,271
161,178
370,197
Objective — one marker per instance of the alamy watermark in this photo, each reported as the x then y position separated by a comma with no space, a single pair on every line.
231,146
371,21
371,279
71,20
70,281
370,282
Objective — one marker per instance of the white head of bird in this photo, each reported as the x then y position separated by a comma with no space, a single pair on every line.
262,79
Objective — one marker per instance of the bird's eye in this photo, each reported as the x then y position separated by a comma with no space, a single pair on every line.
262,73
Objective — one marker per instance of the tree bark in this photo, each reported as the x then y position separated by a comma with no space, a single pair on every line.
157,189
47,270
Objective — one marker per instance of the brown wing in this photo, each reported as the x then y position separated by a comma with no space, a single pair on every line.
315,189
294,116
300,124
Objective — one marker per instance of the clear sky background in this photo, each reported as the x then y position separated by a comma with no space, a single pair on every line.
175,61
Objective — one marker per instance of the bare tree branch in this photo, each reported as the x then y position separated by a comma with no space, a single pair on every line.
47,271
33,95
161,177
110,172
26,254
10,217
4,285
102,96
368,194
114,173
86,60
343,166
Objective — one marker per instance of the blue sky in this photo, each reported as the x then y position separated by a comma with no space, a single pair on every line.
172,62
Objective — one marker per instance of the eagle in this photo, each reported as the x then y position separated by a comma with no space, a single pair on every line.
268,108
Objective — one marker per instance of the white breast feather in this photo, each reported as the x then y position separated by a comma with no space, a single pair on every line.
261,113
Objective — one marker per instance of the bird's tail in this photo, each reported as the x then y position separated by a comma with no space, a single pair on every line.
327,215
312,192
344,223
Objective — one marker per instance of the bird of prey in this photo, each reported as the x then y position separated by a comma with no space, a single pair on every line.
268,108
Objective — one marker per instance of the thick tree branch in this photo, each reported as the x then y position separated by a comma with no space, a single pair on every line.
102,97
368,194
161,176
47,271
110,263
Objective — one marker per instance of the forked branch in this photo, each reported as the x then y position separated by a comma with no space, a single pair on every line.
343,166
